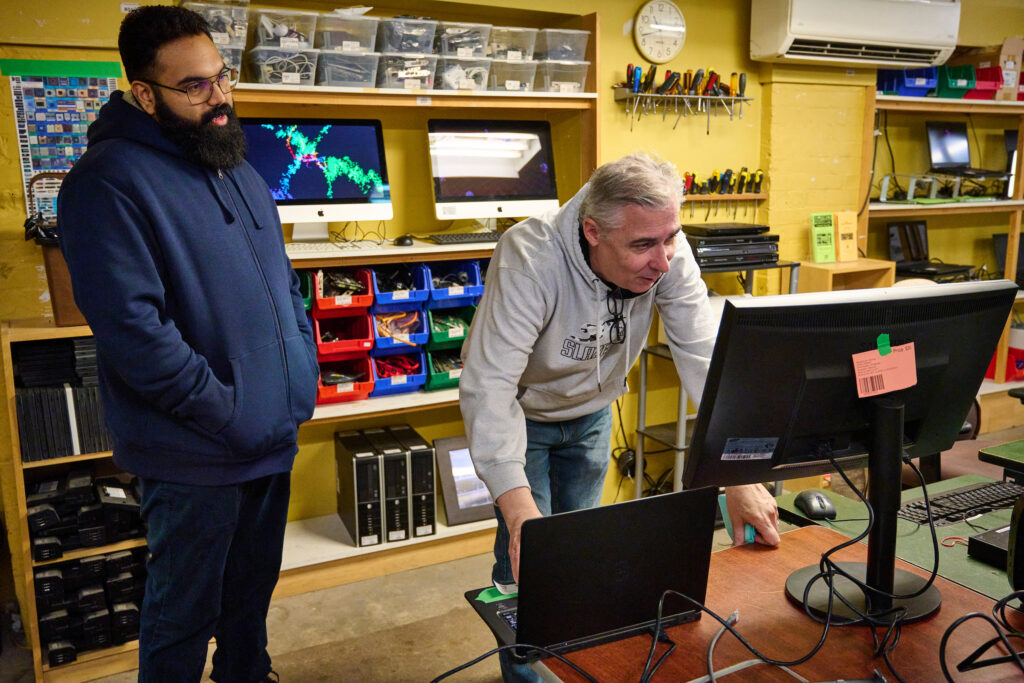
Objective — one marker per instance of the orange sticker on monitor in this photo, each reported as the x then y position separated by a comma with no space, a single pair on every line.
877,374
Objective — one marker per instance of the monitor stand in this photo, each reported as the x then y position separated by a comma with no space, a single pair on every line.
884,470
310,232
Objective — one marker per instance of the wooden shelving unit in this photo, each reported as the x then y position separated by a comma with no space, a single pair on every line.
860,274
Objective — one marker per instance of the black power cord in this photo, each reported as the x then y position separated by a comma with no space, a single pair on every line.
496,650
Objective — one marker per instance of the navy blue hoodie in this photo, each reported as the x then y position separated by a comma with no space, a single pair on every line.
206,358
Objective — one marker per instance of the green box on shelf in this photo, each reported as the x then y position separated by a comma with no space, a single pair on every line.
305,288
955,81
444,337
441,380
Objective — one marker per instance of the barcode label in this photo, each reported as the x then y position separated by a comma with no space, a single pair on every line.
872,384
749,449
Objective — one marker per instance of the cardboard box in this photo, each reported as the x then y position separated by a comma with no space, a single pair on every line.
58,279
1007,56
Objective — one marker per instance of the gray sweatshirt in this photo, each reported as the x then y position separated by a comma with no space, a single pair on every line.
538,347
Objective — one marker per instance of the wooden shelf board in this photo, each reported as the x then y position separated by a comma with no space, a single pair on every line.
943,104
93,661
858,266
39,329
63,461
385,405
79,553
891,210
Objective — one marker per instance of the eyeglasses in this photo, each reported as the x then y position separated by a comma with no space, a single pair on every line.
616,306
200,92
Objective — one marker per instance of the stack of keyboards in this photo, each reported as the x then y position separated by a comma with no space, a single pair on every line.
731,244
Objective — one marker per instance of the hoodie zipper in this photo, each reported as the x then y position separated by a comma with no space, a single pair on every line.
266,288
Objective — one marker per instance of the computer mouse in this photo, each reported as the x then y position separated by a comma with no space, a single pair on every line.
815,505
403,241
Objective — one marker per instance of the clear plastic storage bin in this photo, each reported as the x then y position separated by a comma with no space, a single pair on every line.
282,66
289,29
563,44
228,23
406,35
512,76
460,39
232,56
348,70
512,43
409,71
346,34
555,76
460,73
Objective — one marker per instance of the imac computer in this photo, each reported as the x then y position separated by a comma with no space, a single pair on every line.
491,169
321,170
782,396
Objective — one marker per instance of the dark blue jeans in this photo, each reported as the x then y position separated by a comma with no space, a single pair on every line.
216,554
566,464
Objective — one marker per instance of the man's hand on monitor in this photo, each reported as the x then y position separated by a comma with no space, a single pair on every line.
516,506
753,505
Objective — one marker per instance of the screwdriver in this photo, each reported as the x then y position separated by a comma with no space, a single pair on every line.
743,84
734,83
695,85
687,80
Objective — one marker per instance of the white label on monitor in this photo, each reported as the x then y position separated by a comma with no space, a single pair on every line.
373,539
455,374
464,52
396,535
511,84
456,290
424,530
749,449
343,300
291,78
351,46
290,43
400,294
220,38
399,379
344,387
514,55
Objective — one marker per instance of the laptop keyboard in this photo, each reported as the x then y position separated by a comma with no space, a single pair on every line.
511,617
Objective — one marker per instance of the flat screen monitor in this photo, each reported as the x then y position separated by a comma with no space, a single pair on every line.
1000,242
466,498
321,170
947,143
1010,137
782,395
491,169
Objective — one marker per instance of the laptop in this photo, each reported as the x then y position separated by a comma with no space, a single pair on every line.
593,576
950,151
908,247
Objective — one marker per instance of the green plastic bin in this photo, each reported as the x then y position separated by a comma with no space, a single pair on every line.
955,81
442,380
442,337
305,288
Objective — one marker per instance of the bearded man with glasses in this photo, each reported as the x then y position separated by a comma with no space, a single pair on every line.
570,298
206,359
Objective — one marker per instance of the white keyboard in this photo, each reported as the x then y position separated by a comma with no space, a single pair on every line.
325,249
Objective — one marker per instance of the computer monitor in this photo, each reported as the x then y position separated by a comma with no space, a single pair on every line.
321,170
1010,138
782,396
947,144
466,498
1000,242
491,169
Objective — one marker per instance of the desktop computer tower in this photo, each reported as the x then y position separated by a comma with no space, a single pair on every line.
423,517
394,468
358,487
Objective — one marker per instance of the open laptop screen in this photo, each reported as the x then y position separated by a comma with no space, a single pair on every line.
947,143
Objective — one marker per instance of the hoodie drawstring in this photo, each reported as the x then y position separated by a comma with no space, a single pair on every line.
229,215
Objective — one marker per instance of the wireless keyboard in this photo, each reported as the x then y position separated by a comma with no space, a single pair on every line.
967,501
464,237
325,249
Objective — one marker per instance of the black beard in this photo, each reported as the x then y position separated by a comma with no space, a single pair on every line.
214,147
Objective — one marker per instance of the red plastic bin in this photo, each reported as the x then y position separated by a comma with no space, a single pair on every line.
348,391
987,80
354,334
1014,366
337,306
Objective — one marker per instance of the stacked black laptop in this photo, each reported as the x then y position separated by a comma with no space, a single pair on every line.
731,244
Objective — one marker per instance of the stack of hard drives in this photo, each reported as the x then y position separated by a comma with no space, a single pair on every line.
45,426
44,363
89,603
723,245
85,360
76,512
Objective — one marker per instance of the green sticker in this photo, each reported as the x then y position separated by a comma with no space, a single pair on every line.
492,594
883,345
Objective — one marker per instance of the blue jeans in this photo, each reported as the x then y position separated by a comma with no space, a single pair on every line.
566,464
216,555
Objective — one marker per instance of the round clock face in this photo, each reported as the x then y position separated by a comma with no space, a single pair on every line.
659,30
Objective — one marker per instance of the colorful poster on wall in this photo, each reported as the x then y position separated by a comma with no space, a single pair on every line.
53,112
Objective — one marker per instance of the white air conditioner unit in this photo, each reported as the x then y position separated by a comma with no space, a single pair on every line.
892,33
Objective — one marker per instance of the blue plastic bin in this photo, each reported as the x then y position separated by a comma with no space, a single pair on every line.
419,334
452,297
402,384
404,299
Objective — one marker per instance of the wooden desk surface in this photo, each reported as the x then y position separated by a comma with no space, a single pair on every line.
752,579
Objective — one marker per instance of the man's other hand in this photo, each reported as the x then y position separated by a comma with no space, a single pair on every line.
752,504
517,506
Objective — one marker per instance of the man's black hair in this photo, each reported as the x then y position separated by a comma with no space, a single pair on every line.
146,29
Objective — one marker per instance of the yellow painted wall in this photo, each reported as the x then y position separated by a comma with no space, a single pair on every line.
803,129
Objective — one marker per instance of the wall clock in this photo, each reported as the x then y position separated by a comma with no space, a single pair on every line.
659,30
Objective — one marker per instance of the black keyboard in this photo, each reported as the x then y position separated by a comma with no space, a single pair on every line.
511,617
959,504
465,237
